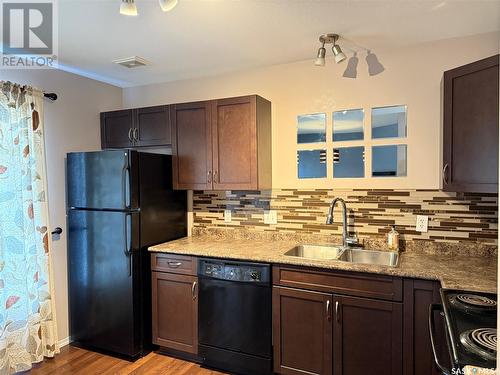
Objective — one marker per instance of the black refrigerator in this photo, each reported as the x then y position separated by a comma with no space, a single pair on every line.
119,203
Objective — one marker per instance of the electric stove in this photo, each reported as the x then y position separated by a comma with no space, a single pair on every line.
471,329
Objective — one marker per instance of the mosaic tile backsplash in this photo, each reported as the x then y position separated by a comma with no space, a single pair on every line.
466,218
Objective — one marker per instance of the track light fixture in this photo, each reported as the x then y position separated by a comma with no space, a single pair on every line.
320,60
167,5
337,51
128,7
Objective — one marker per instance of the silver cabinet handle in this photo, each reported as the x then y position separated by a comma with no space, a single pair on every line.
209,176
136,134
337,315
216,177
130,134
328,309
193,290
445,174
174,264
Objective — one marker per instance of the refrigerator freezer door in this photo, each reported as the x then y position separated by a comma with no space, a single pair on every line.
102,180
101,267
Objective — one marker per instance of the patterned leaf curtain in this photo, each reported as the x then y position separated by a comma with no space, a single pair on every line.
27,313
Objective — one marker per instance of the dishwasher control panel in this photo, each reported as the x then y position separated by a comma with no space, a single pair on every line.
246,272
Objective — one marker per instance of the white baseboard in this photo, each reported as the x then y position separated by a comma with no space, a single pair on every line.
64,342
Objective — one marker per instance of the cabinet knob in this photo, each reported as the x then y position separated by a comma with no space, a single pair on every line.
209,176
216,177
136,134
130,134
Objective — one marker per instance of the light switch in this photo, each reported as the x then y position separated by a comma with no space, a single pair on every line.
422,223
270,217
227,216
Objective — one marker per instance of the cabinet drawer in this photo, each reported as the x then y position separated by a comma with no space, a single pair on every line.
174,263
349,283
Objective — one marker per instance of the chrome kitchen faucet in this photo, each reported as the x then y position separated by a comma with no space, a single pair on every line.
346,240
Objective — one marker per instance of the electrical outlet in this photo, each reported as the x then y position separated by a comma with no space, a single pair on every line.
227,216
270,217
422,223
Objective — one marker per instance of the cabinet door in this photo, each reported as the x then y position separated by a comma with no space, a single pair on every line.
367,336
175,311
471,127
234,134
152,126
116,129
302,332
192,145
417,350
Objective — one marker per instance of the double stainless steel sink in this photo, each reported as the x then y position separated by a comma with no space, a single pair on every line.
352,255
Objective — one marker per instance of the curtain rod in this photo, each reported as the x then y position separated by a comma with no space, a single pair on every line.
50,95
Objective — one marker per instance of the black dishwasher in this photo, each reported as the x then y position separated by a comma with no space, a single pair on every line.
234,316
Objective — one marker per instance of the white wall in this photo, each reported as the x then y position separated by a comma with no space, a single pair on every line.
413,77
71,124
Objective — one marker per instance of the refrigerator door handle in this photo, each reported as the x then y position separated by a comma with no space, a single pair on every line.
128,242
126,185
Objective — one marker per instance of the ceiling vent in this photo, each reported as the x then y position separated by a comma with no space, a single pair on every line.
132,62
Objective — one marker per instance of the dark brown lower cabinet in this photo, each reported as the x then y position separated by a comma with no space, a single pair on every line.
175,311
320,333
367,336
417,352
302,331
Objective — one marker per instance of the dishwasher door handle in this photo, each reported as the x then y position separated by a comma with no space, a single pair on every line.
432,330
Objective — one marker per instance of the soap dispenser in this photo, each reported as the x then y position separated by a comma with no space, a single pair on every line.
393,239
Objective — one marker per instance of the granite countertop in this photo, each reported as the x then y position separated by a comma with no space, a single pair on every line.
453,271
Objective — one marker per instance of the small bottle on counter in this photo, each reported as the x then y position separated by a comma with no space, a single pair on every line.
393,239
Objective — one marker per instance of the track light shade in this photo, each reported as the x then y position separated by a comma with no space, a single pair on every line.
167,5
337,52
374,66
128,8
320,60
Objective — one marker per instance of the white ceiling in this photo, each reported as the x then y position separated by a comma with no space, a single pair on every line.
203,37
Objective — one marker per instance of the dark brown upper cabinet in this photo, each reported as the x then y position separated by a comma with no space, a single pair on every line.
141,127
470,150
116,129
192,145
222,144
152,126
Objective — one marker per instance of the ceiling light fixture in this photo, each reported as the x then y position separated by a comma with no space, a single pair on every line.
374,66
320,60
337,51
167,5
128,8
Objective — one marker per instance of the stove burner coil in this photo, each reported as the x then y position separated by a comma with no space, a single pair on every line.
476,301
481,341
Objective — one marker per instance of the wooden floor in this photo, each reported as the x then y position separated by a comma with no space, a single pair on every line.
74,361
